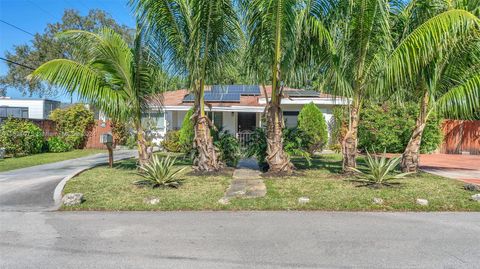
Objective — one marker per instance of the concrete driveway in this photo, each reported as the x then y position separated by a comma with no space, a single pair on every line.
31,189
463,167
239,240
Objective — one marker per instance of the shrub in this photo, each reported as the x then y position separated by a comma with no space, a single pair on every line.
229,148
258,148
380,171
390,126
313,124
159,172
131,142
297,143
20,137
187,132
171,142
73,124
56,144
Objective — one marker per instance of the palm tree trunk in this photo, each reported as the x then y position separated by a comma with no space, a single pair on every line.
143,154
350,141
207,159
410,157
277,159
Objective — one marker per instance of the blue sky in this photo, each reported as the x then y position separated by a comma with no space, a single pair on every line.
33,16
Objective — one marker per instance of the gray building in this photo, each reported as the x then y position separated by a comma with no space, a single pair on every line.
38,109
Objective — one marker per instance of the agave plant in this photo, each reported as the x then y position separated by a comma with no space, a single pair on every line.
380,170
159,172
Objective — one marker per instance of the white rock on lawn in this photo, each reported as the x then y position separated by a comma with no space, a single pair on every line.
71,199
378,201
151,201
224,201
303,200
476,197
422,202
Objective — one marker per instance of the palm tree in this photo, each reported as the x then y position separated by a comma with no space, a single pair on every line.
364,63
111,75
449,83
198,39
280,39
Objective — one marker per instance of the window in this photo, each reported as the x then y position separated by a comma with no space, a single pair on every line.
290,118
155,119
15,112
216,118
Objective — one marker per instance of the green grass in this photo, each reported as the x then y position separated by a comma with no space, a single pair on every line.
44,158
112,189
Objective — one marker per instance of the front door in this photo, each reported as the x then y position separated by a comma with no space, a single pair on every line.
246,121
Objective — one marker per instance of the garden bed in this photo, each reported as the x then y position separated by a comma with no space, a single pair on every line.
112,189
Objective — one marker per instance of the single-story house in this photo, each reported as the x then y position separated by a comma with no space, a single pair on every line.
238,109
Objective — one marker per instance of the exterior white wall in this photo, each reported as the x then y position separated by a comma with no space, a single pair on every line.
230,122
37,109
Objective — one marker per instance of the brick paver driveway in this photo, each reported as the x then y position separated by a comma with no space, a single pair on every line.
462,167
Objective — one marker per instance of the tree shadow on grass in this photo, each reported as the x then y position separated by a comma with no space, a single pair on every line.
329,162
132,164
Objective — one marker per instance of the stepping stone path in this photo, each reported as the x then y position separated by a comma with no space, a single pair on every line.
246,182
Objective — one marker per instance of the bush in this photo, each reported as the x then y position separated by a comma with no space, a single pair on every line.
73,124
258,147
187,133
20,137
171,142
312,123
56,144
296,142
131,142
229,148
390,126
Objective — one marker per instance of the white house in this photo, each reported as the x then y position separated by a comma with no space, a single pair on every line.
27,108
238,109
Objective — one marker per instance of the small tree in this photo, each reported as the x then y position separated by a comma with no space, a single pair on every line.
73,124
187,132
313,124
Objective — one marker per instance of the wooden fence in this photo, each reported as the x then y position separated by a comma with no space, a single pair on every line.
461,136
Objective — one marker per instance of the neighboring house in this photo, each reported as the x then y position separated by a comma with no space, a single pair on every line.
238,109
38,109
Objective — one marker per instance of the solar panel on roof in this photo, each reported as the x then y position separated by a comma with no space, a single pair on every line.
231,97
226,93
241,89
302,93
189,98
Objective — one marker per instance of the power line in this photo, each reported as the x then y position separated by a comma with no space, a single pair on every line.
15,63
42,9
16,27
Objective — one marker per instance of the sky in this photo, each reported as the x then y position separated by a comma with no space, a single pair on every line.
34,15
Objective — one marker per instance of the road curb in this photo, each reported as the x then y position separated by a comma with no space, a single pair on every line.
57,193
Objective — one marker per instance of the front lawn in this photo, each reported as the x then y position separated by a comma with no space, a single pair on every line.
112,189
44,158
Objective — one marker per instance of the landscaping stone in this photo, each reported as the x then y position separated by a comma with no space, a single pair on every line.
378,201
151,201
476,197
224,201
303,200
471,187
422,202
71,199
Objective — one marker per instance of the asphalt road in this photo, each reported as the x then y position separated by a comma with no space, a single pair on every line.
31,189
239,240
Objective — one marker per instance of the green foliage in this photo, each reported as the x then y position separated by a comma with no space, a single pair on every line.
338,128
73,124
120,132
45,46
187,132
296,142
312,123
131,142
380,170
20,137
258,147
171,141
159,172
389,126
56,144
229,148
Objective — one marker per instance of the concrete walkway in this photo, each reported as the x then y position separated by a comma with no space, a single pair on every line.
32,188
246,182
462,167
239,240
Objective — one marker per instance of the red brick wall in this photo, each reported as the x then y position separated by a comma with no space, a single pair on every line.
100,127
461,135
48,127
